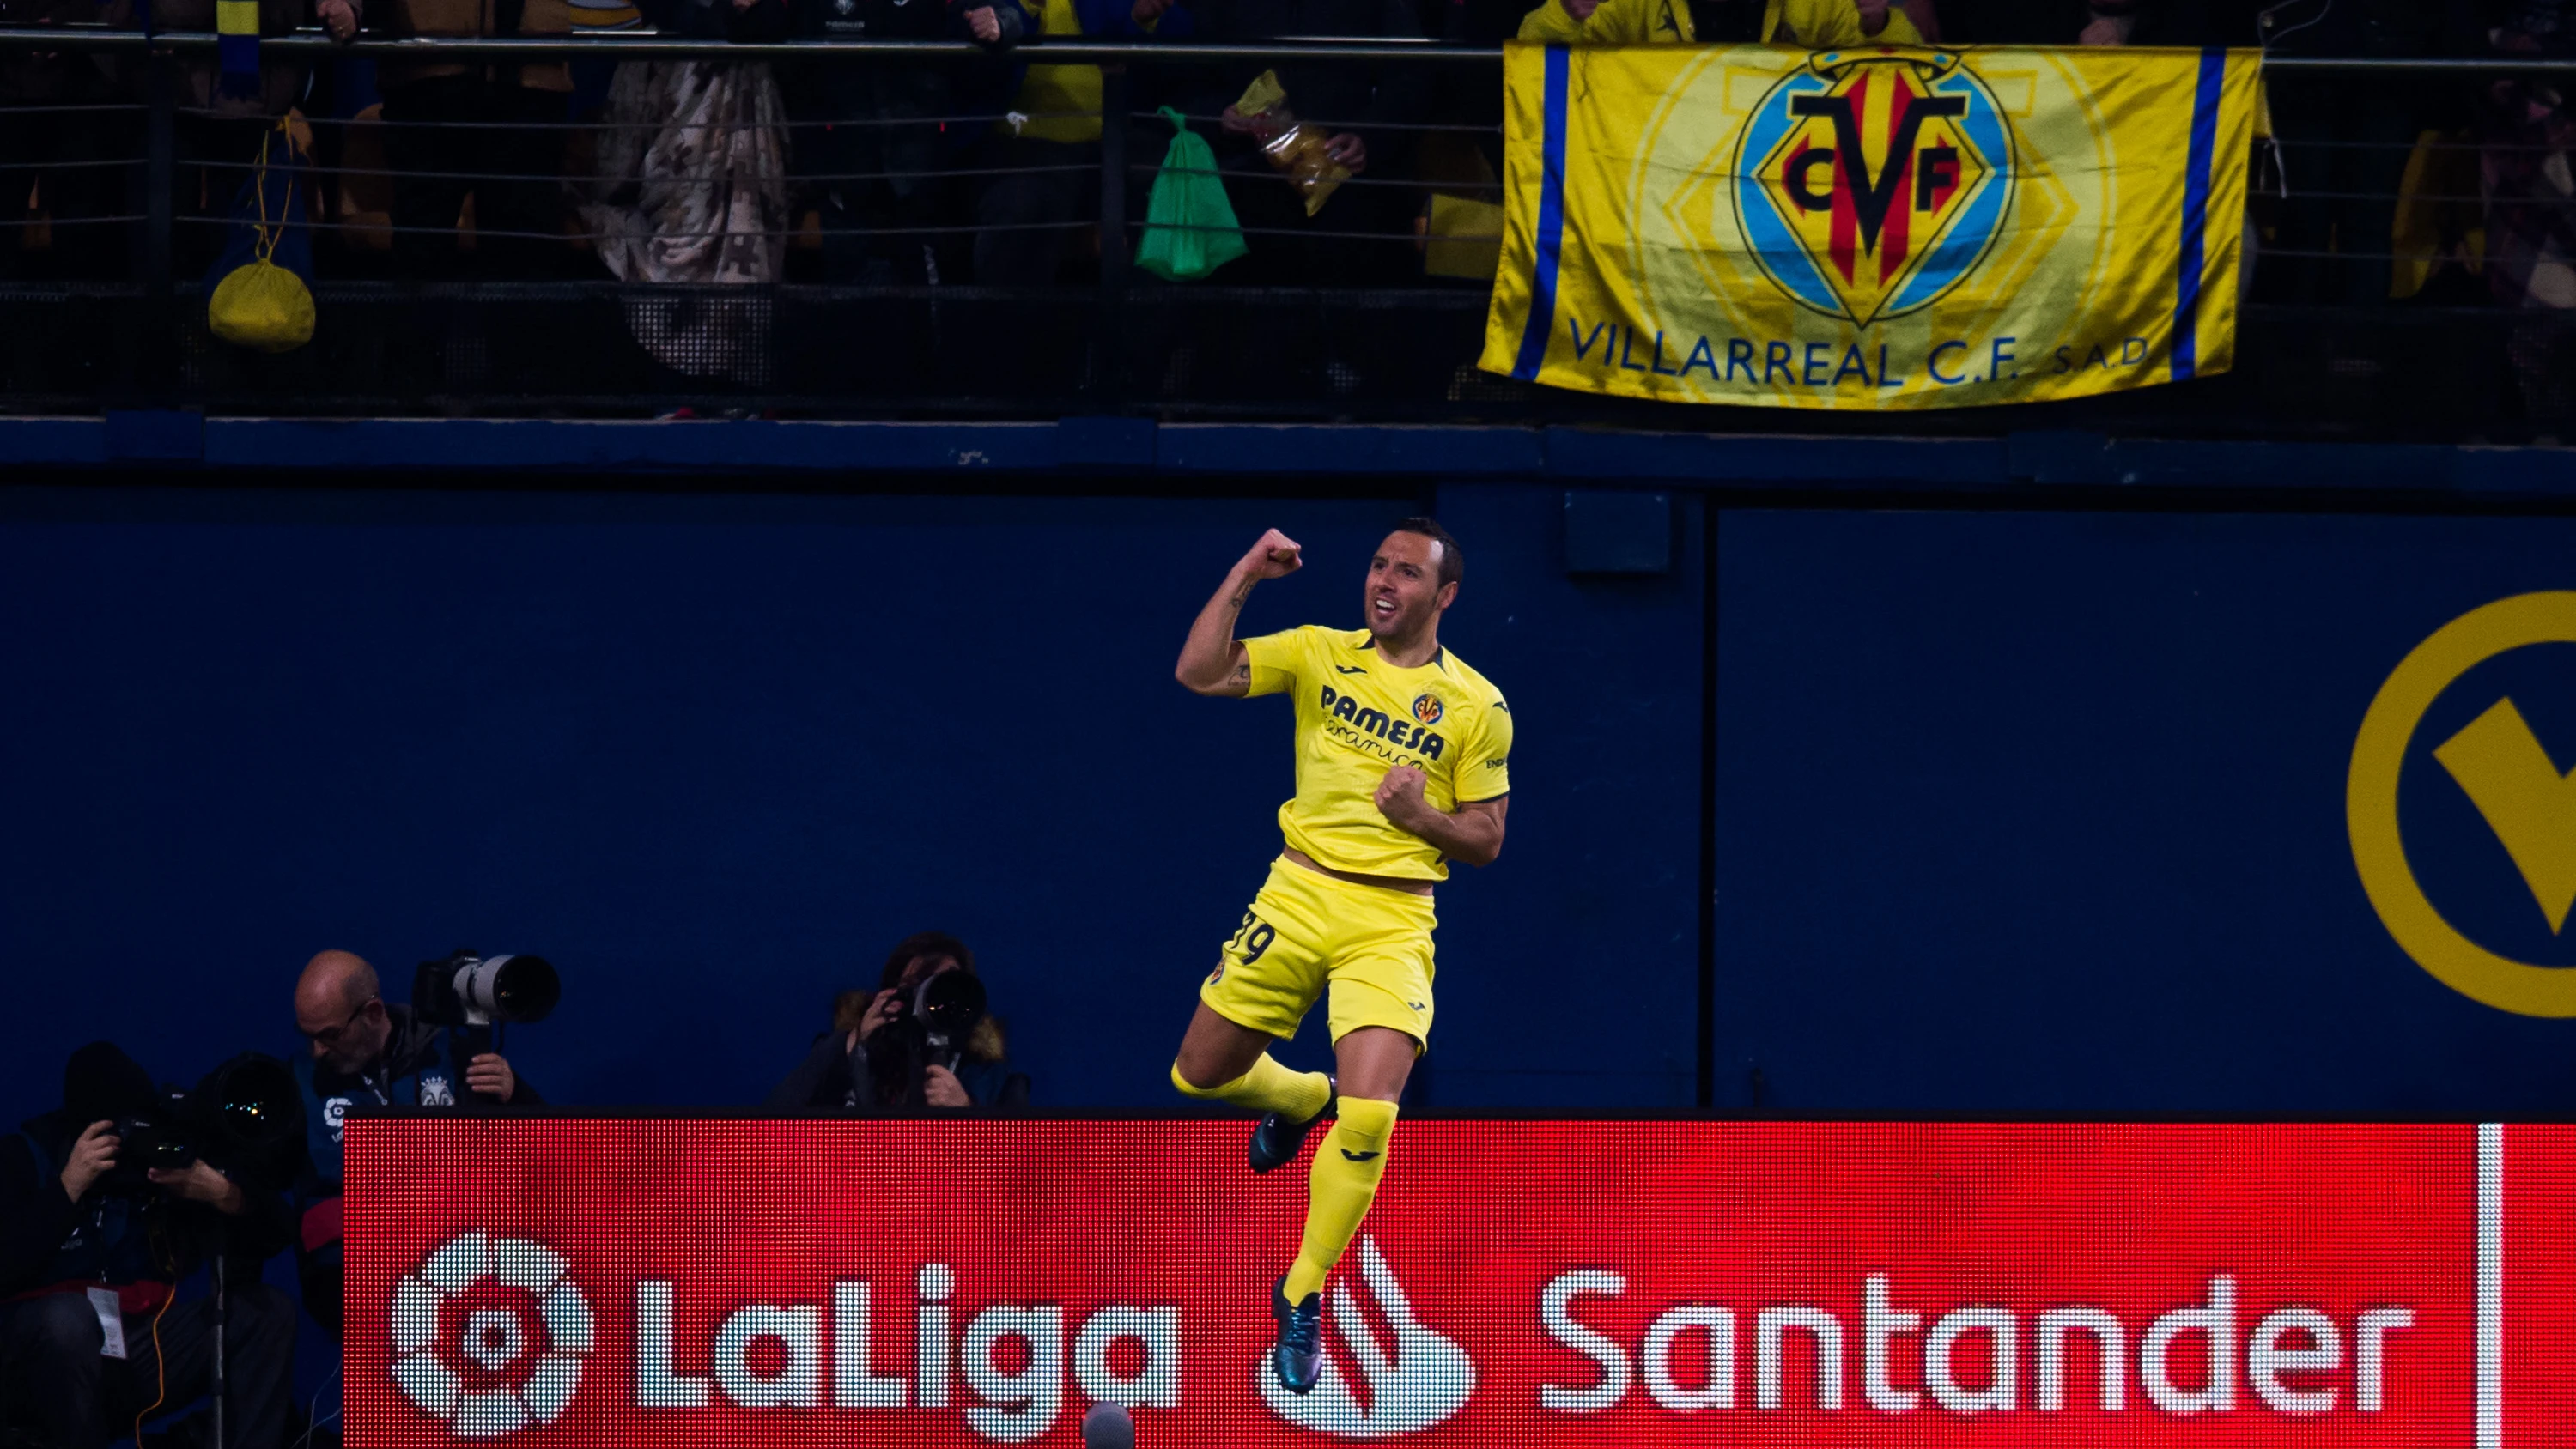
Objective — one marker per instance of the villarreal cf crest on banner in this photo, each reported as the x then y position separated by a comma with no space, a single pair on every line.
1871,228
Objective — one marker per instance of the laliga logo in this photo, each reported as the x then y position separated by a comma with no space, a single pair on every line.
494,1379
1869,183
1427,1380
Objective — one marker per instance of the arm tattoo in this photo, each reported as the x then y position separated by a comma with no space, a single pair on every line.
1243,673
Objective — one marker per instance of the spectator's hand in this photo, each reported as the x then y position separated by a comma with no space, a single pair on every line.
93,1156
1581,10
340,18
1399,796
491,1076
199,1183
984,24
2105,30
1349,150
1873,15
940,1088
1236,123
1149,11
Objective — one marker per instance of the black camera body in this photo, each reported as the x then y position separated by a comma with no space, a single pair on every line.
932,1027
159,1140
246,1117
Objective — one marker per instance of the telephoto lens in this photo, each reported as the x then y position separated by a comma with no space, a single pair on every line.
471,990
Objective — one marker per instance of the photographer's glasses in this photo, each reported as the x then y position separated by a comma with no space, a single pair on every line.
329,1036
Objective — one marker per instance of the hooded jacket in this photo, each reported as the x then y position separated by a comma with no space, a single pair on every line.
140,1243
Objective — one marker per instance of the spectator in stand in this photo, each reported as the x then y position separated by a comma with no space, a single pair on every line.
2343,140
494,132
64,162
1814,24
870,133
2528,130
2036,22
223,118
1049,157
1367,112
1832,24
1609,22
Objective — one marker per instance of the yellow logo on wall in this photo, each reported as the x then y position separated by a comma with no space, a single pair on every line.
2507,775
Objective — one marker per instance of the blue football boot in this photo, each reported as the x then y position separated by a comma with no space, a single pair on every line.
1275,1139
1298,1357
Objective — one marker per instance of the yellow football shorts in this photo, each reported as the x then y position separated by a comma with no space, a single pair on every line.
1307,930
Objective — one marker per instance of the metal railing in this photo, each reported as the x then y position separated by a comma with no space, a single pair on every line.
2323,349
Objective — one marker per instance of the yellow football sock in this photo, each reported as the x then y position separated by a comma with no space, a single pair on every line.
1268,1087
1347,1168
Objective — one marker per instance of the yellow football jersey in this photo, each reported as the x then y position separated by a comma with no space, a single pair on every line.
1358,717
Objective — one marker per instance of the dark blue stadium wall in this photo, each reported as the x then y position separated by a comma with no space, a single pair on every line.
2046,811
715,754
2016,811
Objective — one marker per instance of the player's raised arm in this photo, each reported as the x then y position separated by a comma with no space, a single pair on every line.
1211,661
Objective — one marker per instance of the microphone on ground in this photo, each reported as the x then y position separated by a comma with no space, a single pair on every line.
1107,1426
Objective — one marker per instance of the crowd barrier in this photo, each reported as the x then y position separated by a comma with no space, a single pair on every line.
592,1280
2372,311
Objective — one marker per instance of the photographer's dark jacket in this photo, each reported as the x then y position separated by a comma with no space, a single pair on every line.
139,1242
832,1076
415,1072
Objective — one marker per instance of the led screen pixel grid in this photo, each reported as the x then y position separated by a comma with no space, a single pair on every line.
557,1281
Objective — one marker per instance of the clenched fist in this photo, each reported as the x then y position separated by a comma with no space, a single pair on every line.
1276,556
1399,797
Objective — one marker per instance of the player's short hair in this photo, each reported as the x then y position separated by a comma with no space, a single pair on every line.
1453,564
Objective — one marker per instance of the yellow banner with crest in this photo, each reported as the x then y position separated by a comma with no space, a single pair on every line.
1879,227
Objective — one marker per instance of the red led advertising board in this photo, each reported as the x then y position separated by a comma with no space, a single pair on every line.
682,1283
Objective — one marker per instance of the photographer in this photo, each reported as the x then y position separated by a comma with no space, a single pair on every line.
909,1044
92,1247
366,1050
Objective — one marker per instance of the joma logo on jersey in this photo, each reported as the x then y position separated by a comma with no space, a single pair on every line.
1870,183
1377,722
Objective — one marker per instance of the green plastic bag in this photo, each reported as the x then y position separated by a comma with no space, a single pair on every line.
1190,228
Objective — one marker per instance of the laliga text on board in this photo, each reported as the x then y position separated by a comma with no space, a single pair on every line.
2159,1285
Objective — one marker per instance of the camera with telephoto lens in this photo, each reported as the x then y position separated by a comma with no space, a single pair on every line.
932,1030
474,996
246,1117
467,990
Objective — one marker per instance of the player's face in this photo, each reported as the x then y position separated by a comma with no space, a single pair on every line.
1404,594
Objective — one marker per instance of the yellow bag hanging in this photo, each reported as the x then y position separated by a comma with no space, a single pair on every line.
260,304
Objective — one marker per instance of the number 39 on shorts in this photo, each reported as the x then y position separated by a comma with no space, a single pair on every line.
1246,944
